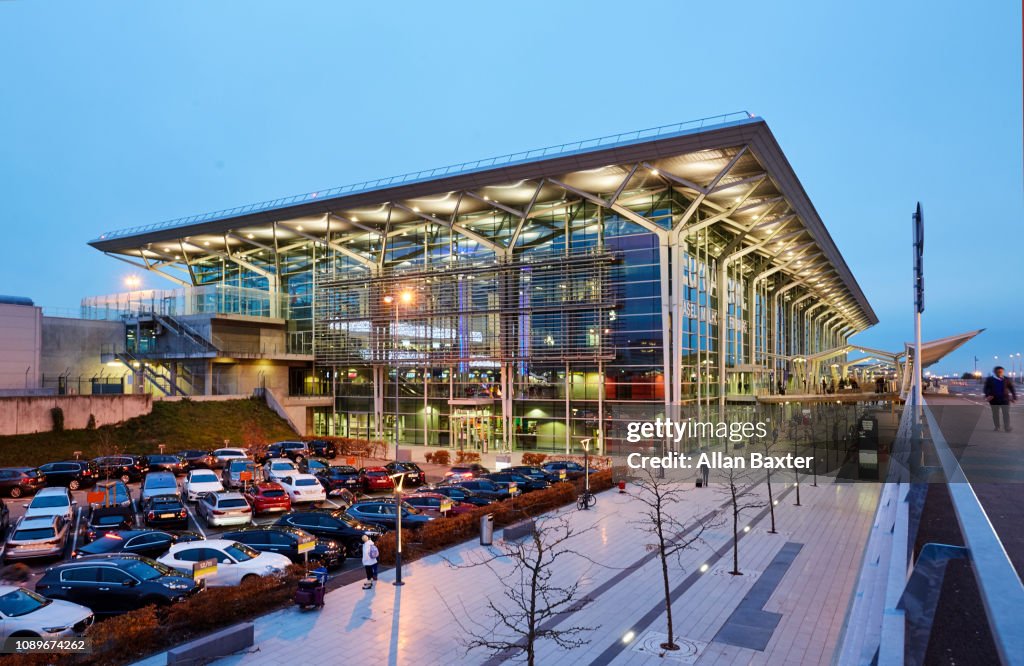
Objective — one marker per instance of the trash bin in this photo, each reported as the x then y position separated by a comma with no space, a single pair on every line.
486,529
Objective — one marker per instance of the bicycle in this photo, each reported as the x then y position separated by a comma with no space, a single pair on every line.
586,500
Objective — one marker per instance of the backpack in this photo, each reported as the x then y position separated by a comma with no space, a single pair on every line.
374,553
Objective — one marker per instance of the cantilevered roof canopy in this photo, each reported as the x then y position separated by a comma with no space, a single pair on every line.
729,169
934,351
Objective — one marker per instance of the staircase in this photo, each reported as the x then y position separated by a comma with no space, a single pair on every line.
186,332
157,375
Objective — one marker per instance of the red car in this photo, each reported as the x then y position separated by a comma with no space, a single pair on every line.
466,472
431,502
267,497
375,478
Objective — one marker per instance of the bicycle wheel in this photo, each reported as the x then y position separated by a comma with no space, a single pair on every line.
581,502
591,500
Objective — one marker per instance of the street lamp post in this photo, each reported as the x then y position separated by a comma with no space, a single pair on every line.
586,466
399,480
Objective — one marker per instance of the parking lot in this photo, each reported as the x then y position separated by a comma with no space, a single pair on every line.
196,523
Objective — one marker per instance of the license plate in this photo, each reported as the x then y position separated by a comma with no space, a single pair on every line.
166,515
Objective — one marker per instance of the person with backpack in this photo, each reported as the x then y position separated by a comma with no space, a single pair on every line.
370,555
1000,393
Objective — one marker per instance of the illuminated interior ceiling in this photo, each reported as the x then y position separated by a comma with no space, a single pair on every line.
739,192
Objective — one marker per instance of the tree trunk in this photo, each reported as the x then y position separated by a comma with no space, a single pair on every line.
735,532
771,503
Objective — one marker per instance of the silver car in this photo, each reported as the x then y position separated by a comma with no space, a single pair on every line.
226,508
42,536
158,483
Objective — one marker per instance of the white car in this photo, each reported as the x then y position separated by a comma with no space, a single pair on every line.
277,468
26,613
201,481
227,508
303,488
221,457
51,502
236,562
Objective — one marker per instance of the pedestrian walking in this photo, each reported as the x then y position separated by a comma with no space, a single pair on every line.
999,392
705,471
370,555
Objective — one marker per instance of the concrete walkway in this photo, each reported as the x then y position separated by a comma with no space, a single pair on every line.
803,597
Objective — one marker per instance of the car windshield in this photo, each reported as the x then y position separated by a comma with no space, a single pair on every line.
282,465
161,482
241,552
162,459
49,502
207,477
347,519
21,602
274,492
118,492
147,570
231,503
165,504
376,474
34,533
241,465
113,519
306,482
228,452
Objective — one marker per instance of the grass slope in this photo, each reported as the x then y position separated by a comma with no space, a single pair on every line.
180,425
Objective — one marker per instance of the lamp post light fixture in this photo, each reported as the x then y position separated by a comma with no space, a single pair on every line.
399,481
586,465
132,281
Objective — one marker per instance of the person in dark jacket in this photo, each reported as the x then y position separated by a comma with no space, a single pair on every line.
999,392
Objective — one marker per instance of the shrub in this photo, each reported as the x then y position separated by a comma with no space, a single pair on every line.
124,637
462,457
441,457
91,424
58,419
219,606
534,459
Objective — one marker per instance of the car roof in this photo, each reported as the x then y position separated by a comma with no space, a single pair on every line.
160,475
228,494
207,543
128,534
377,468
53,491
37,521
425,494
269,485
277,460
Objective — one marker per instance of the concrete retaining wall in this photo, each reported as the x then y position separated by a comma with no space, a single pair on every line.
28,414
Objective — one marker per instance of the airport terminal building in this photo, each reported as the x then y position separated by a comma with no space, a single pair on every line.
527,301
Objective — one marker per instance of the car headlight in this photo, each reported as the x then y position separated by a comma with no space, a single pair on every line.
56,630
176,585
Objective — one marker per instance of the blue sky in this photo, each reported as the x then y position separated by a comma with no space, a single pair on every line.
123,113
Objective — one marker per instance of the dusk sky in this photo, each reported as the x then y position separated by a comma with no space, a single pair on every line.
117,114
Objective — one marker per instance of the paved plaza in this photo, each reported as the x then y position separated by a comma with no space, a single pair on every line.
788,608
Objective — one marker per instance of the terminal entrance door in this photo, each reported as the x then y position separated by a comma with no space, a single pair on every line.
476,428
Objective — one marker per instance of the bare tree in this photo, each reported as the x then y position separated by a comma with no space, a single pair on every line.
672,534
740,492
769,444
532,593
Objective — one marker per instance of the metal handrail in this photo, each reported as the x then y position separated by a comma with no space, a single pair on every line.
559,150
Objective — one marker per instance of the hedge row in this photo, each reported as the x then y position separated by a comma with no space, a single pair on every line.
352,445
131,636
444,533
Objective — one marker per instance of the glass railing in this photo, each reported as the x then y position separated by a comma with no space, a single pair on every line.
208,299
559,150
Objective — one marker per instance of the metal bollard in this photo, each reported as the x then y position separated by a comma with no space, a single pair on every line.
487,529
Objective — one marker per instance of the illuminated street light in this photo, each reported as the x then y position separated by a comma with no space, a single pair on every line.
132,281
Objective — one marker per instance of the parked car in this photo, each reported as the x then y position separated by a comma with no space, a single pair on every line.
275,468
375,478
197,459
414,476
224,508
52,502
158,483
28,614
231,477
303,488
167,511
432,502
116,583
467,471
484,488
18,481
458,493
125,468
165,462
324,448
524,484
148,543
268,497
338,477
221,457
284,540
335,525
573,470
73,474
107,519
382,511
236,562
199,482
532,472
5,519
114,492
35,538
293,450
314,466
